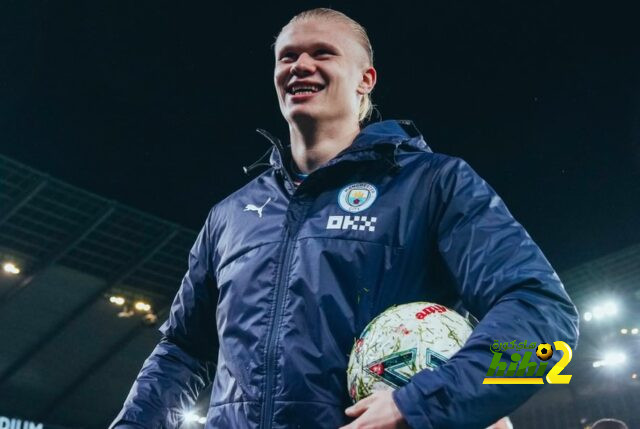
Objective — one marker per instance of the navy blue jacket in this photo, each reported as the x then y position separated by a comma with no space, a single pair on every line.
281,281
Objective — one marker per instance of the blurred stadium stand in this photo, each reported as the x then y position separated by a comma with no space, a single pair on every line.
66,357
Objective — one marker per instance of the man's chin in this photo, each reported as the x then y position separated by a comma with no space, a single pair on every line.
303,116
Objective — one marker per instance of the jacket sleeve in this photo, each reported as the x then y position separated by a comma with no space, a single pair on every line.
183,363
503,278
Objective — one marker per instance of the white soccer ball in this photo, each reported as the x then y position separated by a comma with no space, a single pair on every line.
402,341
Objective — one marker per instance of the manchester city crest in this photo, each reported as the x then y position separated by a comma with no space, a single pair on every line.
357,197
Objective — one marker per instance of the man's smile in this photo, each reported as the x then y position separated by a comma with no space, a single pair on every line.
303,90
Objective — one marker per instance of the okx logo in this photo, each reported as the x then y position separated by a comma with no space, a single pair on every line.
524,368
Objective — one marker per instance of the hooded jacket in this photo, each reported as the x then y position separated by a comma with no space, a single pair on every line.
283,279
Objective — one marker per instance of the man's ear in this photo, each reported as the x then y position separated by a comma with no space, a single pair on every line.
368,81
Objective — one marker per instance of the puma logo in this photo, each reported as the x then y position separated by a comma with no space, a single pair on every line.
254,208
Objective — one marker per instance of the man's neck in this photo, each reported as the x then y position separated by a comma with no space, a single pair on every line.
315,144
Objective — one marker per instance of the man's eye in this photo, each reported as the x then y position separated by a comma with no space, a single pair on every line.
287,56
323,53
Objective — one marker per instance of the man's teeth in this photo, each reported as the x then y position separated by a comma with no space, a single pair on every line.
305,89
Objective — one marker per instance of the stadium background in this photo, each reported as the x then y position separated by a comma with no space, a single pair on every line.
123,123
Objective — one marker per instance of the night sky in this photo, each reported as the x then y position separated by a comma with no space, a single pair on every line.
155,104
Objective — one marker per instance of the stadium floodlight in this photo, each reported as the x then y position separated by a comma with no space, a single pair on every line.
142,306
202,420
624,331
615,358
598,312
610,308
117,300
126,312
10,268
150,319
634,376
634,331
611,359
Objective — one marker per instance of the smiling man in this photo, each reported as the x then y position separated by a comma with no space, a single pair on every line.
347,221
323,76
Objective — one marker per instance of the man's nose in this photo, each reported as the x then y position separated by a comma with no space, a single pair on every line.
303,66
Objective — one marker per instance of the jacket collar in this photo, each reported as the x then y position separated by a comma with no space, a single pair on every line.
377,140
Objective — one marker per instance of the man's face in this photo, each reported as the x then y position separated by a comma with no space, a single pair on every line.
321,71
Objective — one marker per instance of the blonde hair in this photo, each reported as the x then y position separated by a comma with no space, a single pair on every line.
366,105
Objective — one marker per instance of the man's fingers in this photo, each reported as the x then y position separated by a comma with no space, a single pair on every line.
359,407
355,412
352,411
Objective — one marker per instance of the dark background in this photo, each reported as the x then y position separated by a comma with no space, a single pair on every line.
154,104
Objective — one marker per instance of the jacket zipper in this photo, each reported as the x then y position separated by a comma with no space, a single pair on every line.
289,237
272,337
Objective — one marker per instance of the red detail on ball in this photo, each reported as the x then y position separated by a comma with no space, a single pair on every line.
377,368
430,310
403,329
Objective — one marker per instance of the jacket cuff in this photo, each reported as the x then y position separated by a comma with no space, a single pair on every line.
418,406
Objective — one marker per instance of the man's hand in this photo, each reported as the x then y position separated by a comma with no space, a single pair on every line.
377,411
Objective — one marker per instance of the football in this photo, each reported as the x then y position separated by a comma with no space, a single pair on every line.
544,351
402,341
